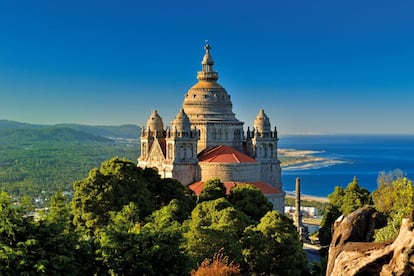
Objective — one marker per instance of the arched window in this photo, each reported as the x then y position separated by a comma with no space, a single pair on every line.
237,134
144,149
271,151
182,152
188,151
262,150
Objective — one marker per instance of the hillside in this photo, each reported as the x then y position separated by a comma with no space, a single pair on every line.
7,124
28,136
122,131
36,158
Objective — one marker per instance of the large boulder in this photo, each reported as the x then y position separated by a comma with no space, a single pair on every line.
352,251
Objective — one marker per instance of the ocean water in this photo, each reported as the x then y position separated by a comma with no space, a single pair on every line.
363,156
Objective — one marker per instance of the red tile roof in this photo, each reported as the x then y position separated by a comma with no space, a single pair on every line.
266,189
224,154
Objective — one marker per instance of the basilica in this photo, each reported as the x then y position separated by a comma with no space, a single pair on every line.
206,140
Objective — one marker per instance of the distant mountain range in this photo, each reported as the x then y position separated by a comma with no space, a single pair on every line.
25,136
68,131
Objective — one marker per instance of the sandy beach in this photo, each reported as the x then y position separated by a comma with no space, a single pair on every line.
289,157
305,158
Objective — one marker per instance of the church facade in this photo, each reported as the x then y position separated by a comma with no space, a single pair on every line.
206,140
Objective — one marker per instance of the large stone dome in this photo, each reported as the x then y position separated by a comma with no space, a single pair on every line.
208,100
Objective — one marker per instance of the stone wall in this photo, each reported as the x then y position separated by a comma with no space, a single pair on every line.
186,173
278,201
270,172
221,133
238,172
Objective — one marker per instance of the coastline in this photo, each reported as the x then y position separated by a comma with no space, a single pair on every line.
363,156
292,159
300,160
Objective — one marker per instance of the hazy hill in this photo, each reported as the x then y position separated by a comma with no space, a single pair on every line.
7,124
122,131
24,136
35,158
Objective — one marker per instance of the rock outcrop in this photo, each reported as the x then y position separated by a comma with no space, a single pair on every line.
352,251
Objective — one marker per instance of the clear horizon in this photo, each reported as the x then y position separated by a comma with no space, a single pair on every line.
315,67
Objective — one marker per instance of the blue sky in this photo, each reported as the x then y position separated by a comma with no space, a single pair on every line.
314,66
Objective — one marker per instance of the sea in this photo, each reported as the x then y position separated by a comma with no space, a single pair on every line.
346,156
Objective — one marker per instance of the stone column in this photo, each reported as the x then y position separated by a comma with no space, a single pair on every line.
298,213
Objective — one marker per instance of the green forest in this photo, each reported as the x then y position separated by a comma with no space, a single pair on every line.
124,220
40,160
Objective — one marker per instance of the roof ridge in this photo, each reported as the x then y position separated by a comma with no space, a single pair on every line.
236,157
226,154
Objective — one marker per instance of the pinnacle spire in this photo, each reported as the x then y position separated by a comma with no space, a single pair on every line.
207,60
207,73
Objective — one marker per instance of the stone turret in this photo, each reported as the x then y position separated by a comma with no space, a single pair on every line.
181,150
155,126
264,140
262,124
262,145
181,125
152,142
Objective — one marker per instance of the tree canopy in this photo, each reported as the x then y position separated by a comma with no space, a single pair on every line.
116,183
124,220
250,200
396,200
212,189
215,225
342,202
45,246
273,247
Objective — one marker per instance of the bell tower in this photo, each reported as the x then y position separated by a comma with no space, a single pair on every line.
152,136
264,149
181,150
